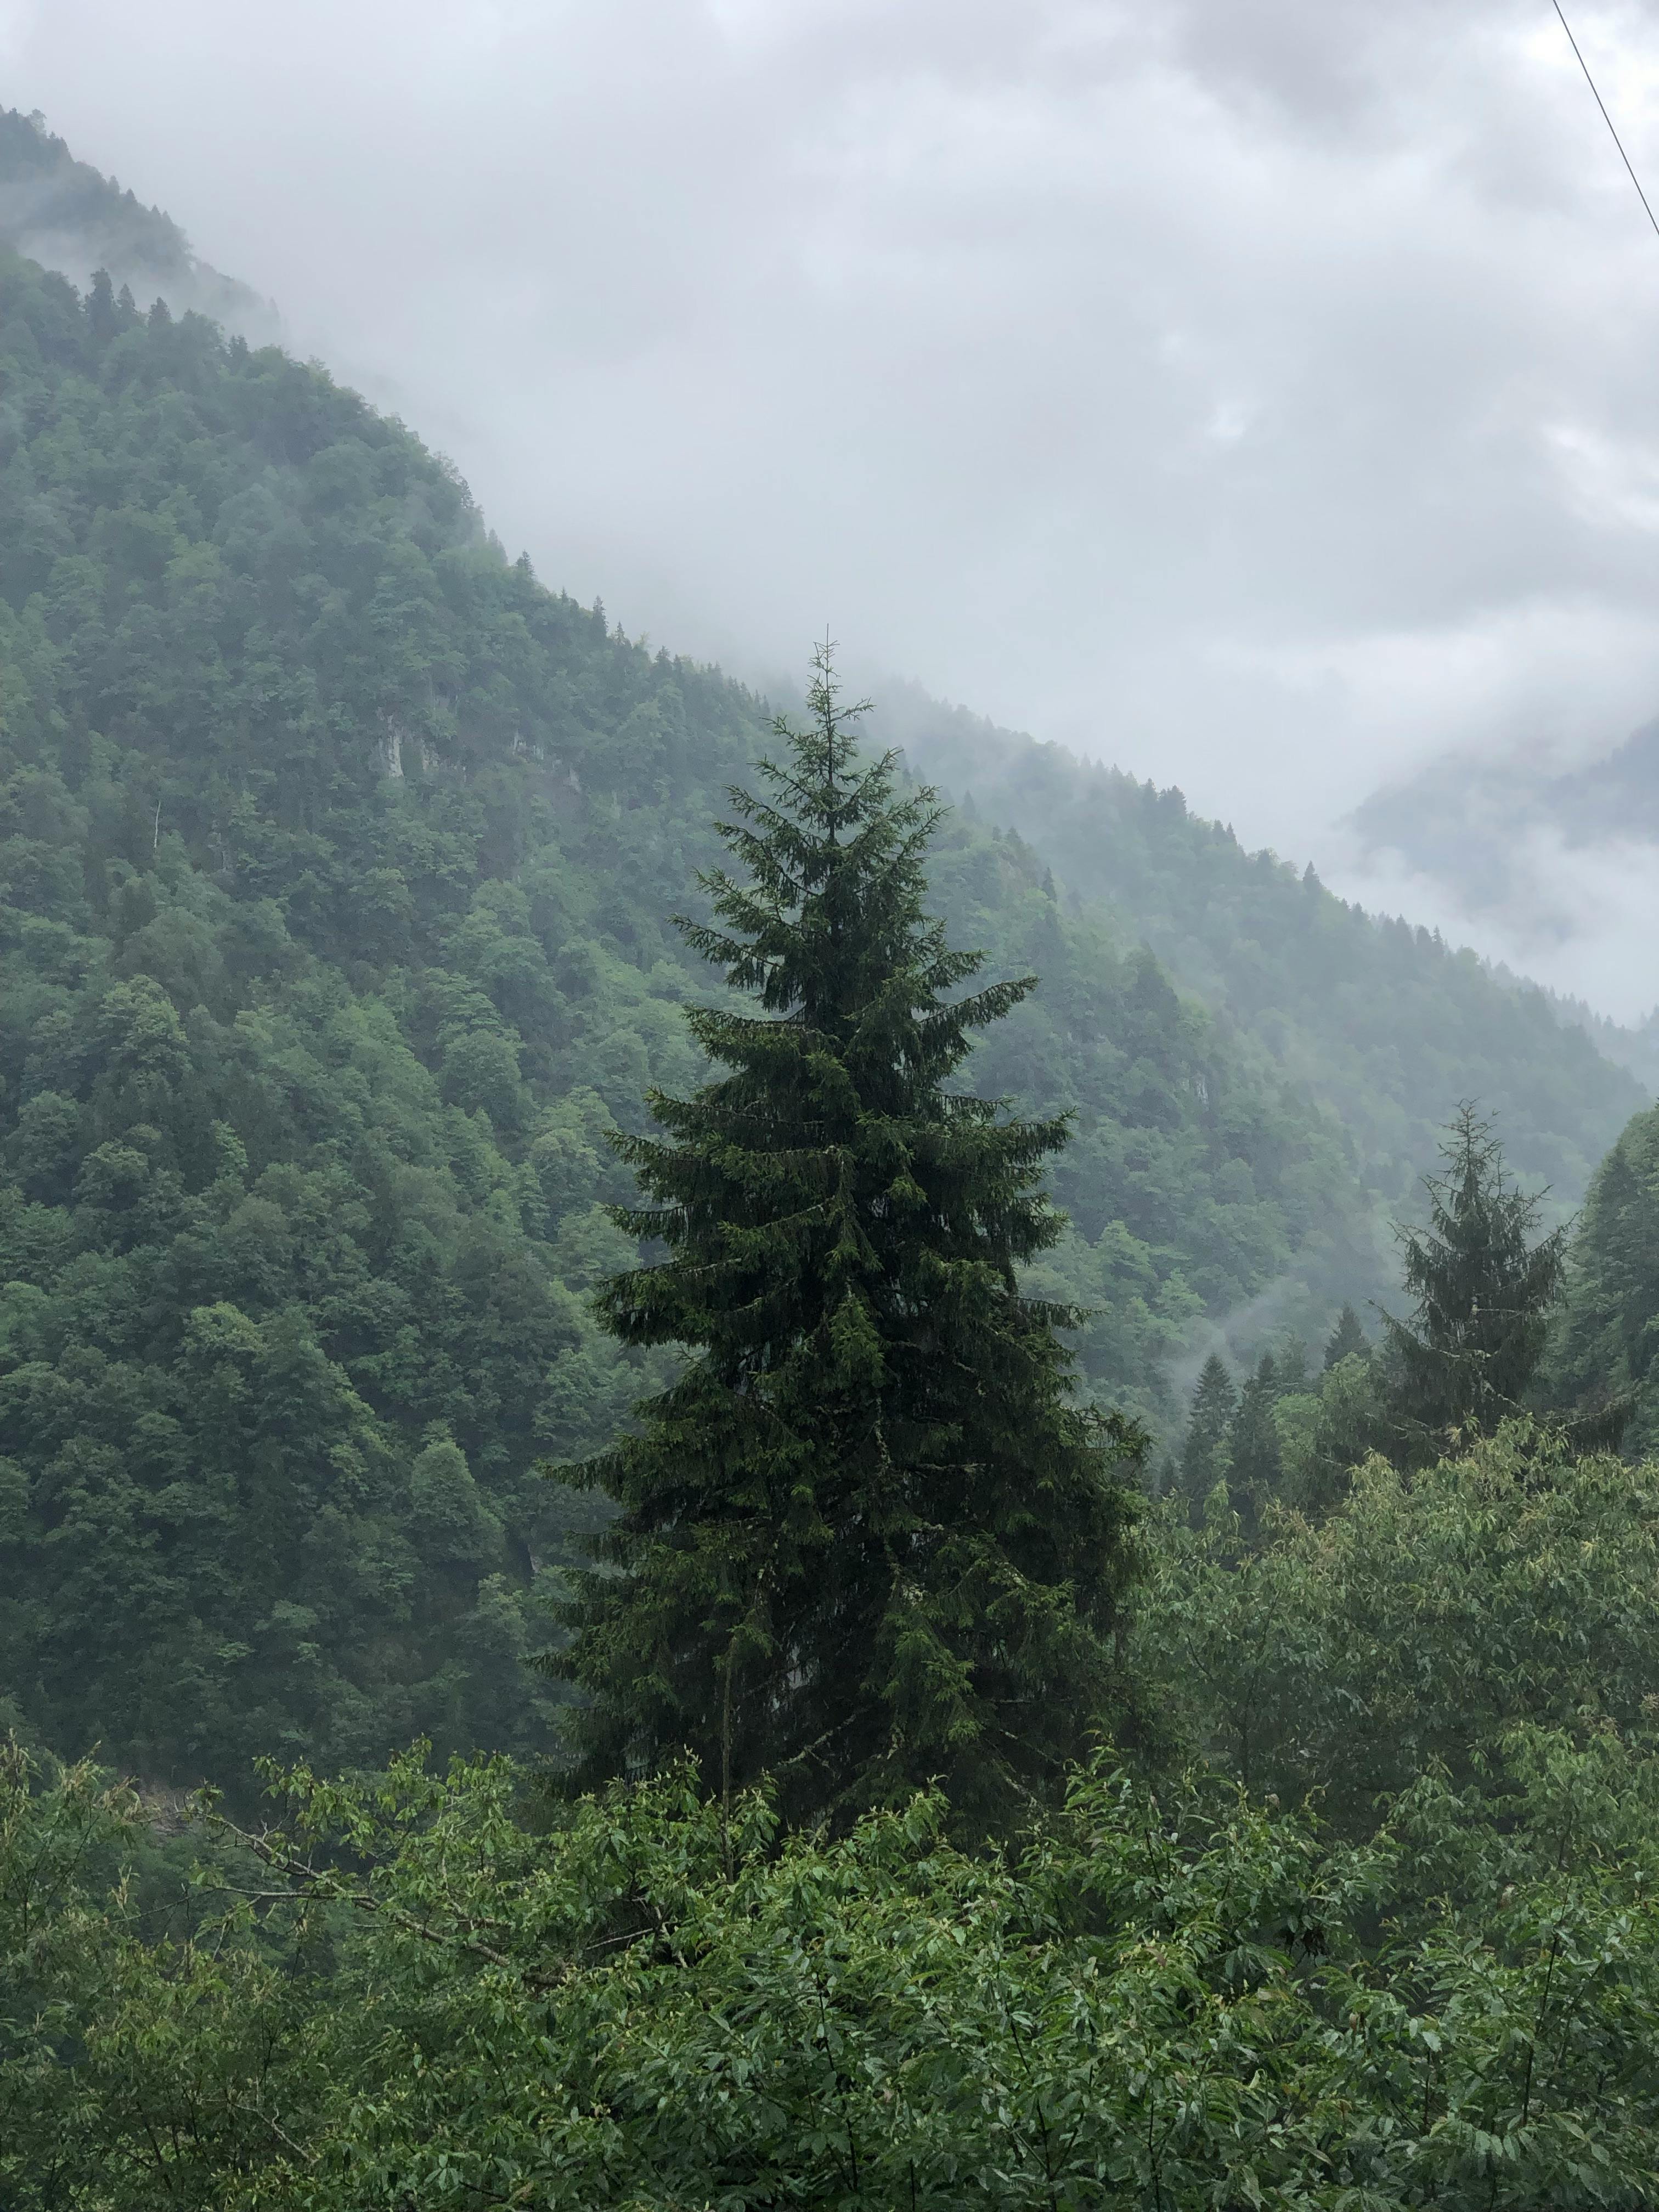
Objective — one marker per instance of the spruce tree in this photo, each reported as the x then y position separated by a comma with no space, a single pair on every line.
1291,1367
1602,1357
865,1540
1483,1291
1255,1466
102,319
1203,1454
1346,1339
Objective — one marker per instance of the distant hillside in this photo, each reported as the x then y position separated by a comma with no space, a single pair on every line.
1385,1024
1631,1045
1618,796
64,214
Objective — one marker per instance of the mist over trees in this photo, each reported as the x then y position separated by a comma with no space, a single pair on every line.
1387,1025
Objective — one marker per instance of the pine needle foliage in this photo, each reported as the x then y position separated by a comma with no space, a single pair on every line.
865,1540
1204,1453
1254,1461
1483,1292
1346,1339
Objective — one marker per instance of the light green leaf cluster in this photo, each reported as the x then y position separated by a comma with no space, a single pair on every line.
1179,1998
1407,1630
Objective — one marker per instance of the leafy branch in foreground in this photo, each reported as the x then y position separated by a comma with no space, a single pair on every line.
1173,1999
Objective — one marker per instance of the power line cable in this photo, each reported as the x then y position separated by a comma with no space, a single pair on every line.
1607,119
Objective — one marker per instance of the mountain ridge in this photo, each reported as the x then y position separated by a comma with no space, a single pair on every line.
1307,972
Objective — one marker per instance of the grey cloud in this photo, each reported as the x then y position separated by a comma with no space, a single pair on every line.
1256,392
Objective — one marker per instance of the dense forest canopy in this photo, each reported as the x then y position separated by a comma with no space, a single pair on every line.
1182,1991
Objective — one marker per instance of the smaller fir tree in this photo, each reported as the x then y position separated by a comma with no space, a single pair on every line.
1346,1339
1256,1467
1291,1367
1204,1453
1483,1290
866,1540
1601,1358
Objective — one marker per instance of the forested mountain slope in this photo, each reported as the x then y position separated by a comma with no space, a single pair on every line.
337,860
338,866
1383,1023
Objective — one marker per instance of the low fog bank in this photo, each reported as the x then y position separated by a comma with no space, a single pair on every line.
1546,857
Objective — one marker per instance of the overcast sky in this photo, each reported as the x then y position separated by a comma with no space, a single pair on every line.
1260,393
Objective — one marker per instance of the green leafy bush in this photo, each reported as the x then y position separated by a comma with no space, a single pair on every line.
1412,1627
1181,1999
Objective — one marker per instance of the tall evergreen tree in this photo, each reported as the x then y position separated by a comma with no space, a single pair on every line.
102,319
1255,1466
1203,1452
1291,1367
1483,1291
1346,1339
1602,1360
865,1539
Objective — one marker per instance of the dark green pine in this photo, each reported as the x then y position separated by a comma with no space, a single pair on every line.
1203,1452
866,1539
1346,1339
1603,1356
1483,1291
1255,1469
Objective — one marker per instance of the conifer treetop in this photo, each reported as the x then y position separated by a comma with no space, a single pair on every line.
1482,1290
828,926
